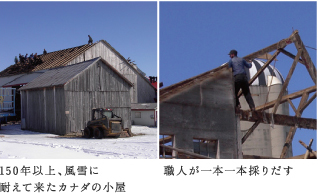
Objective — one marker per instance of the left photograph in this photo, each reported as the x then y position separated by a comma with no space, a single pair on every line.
78,80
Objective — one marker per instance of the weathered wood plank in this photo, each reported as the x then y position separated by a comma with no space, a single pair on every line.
261,70
309,150
279,119
281,44
306,58
284,98
290,73
250,131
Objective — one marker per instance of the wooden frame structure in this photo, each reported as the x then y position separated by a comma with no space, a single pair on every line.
302,57
259,116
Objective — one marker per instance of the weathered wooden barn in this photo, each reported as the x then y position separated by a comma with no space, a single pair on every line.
141,92
60,100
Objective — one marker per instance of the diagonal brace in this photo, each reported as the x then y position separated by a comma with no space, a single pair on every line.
290,73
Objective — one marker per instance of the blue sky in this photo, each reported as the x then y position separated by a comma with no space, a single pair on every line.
197,36
29,27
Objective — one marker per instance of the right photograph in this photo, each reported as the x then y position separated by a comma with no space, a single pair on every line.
238,80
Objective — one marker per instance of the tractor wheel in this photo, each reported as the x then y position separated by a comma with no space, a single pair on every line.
88,132
98,133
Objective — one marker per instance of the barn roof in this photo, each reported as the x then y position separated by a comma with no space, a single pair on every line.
50,60
7,79
21,79
61,75
54,59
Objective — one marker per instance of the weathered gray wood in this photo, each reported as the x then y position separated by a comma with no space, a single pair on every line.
292,105
309,150
292,130
261,70
98,86
290,73
102,88
305,105
291,55
142,93
250,131
281,44
306,58
289,96
278,119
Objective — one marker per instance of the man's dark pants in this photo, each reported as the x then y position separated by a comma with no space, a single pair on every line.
242,83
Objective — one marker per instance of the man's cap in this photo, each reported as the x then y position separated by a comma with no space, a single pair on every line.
233,52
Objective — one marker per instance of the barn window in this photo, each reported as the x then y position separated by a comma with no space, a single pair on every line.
137,114
205,147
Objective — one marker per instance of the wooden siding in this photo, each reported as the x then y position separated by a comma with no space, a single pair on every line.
146,92
101,49
67,109
96,87
41,110
79,105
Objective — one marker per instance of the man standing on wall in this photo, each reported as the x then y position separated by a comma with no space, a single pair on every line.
237,64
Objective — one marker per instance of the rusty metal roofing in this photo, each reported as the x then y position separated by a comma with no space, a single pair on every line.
180,86
50,60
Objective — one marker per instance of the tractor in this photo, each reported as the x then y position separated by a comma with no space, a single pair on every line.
105,123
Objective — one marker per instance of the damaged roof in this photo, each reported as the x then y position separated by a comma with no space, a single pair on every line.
50,60
53,59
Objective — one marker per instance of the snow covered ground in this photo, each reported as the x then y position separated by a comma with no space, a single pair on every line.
18,144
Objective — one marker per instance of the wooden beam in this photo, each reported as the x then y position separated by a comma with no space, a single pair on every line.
186,152
281,44
283,90
288,141
261,70
309,150
290,55
292,130
308,102
250,131
276,46
292,105
279,119
306,58
284,98
302,103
